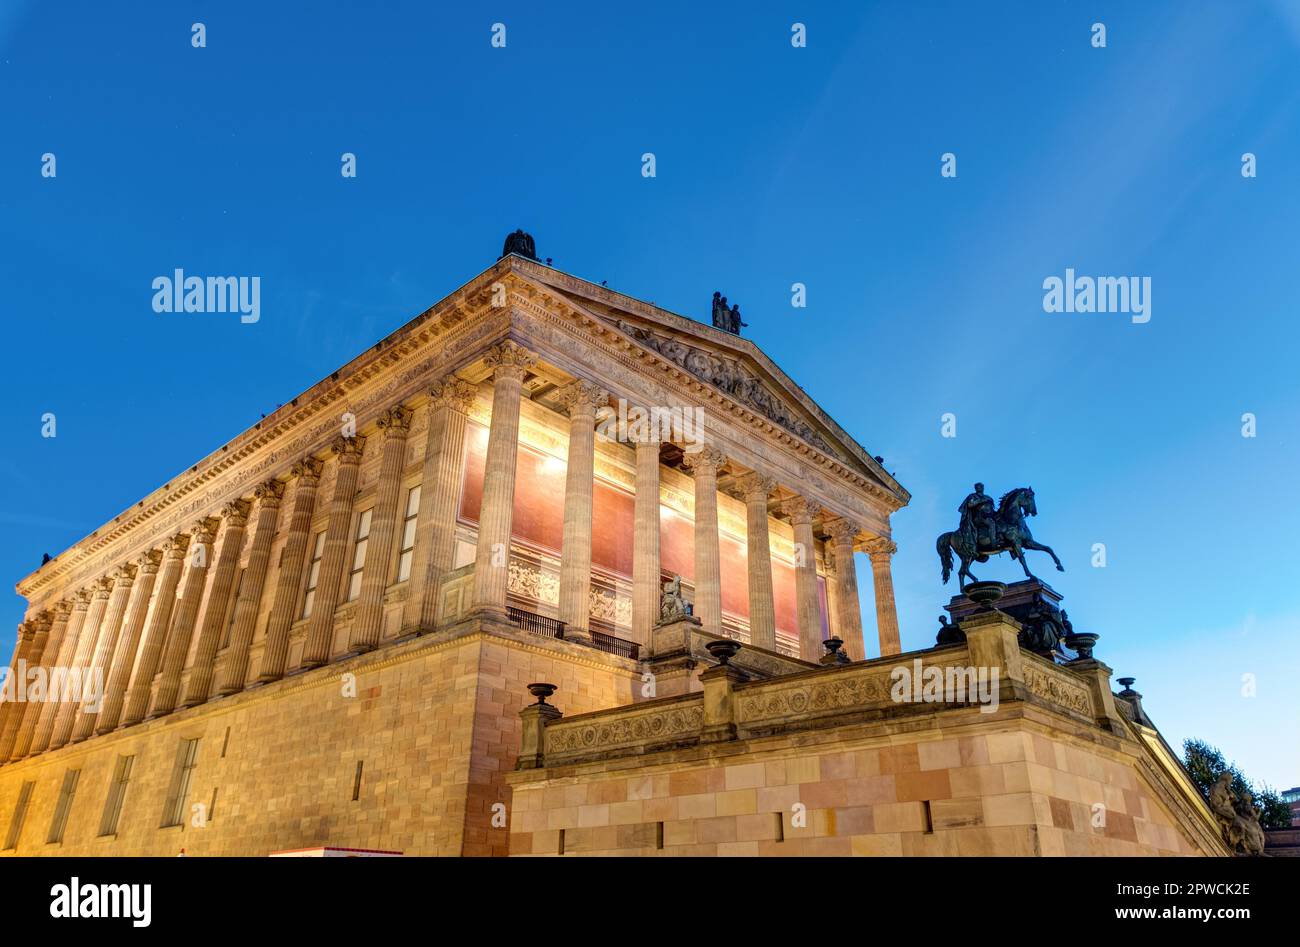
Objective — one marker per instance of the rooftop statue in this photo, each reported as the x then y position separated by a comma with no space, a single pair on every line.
988,529
728,320
520,244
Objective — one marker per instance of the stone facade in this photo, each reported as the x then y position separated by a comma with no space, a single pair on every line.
227,606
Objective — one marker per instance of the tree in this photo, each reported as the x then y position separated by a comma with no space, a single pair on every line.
1205,764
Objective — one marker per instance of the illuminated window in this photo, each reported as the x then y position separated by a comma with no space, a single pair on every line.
359,555
408,535
313,573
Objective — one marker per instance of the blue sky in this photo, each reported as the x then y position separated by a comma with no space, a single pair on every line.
775,165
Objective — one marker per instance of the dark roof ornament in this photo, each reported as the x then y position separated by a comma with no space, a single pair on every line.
520,244
728,320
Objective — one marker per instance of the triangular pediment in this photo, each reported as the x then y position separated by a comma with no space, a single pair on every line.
734,366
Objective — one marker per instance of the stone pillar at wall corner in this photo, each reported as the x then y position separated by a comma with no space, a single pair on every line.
992,641
532,740
719,682
1096,674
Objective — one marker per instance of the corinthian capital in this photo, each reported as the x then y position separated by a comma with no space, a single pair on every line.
148,562
103,587
269,493
582,397
800,510
396,421
843,530
204,532
307,470
123,576
348,449
879,548
706,460
175,547
754,486
62,610
81,599
510,360
235,513
454,393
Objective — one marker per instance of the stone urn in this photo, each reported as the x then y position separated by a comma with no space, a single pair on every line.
723,650
541,691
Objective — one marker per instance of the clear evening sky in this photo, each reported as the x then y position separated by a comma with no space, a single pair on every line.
774,165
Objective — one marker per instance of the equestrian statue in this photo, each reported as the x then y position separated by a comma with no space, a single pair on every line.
988,529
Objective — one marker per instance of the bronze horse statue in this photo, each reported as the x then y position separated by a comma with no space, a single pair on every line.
1010,534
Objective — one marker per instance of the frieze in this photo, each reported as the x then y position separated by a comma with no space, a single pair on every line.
1052,686
650,726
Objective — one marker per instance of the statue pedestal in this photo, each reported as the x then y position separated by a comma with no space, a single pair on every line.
1031,602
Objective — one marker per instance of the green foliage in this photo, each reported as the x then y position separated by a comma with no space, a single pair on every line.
1205,764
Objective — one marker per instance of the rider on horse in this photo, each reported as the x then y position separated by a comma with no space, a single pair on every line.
977,518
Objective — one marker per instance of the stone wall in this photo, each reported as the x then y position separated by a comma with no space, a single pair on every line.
434,722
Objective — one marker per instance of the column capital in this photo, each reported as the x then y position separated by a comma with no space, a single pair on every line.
308,470
81,599
582,396
454,393
396,421
509,359
26,631
707,459
348,449
204,532
103,587
62,610
147,563
801,510
843,530
269,493
754,485
879,548
123,576
175,547
235,513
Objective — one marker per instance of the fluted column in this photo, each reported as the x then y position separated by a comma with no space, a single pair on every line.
11,708
705,464
801,514
156,625
880,551
435,529
43,729
849,610
48,656
645,540
368,624
220,589
509,363
580,399
755,488
202,537
334,559
107,588
101,664
267,496
128,642
293,558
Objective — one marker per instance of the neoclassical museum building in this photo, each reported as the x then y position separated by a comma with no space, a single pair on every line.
322,636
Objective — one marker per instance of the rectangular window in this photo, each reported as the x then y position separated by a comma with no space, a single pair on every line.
359,555
183,771
230,608
64,806
20,813
407,554
116,795
313,573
